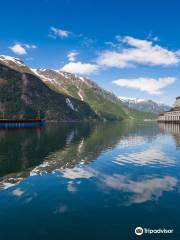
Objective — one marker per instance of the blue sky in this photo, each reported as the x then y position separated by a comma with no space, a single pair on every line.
129,47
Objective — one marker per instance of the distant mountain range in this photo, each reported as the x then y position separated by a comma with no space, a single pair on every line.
56,95
145,105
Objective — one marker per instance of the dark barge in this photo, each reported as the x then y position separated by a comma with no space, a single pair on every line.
21,123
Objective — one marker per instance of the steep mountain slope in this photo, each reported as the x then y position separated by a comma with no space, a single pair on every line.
104,103
58,96
23,95
145,105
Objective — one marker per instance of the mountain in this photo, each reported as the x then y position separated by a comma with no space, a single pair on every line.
106,105
145,105
56,95
23,94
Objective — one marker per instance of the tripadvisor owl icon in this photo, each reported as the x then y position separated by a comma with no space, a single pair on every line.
139,231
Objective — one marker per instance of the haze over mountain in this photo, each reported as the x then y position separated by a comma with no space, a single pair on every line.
57,95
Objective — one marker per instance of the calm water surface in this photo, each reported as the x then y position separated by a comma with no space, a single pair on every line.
84,181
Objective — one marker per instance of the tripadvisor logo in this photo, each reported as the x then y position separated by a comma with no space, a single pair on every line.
139,231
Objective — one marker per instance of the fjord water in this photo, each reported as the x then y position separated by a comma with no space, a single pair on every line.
89,181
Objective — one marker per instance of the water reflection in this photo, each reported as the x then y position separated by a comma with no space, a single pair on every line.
108,177
150,156
137,189
172,129
71,150
62,146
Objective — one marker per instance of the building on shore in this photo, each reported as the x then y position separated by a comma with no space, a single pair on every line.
172,116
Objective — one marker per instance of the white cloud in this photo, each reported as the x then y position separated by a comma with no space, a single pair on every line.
72,56
150,85
57,32
112,59
80,68
18,49
30,46
134,42
178,53
137,52
21,49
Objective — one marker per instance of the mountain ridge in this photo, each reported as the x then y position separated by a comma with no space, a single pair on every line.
106,104
58,95
23,95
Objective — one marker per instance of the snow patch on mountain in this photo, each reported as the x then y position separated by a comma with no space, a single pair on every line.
70,104
80,95
8,59
36,71
135,100
145,105
51,79
82,79
139,100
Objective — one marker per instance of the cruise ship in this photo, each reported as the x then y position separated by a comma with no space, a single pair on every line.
172,116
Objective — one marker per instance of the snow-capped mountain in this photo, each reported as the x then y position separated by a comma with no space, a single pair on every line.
57,95
14,63
145,105
103,102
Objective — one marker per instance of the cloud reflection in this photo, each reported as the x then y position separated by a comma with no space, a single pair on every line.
71,187
147,188
18,192
141,190
147,157
61,209
131,141
77,172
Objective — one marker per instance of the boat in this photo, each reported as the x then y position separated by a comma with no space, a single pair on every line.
21,123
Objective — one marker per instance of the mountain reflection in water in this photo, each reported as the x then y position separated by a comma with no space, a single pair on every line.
58,146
